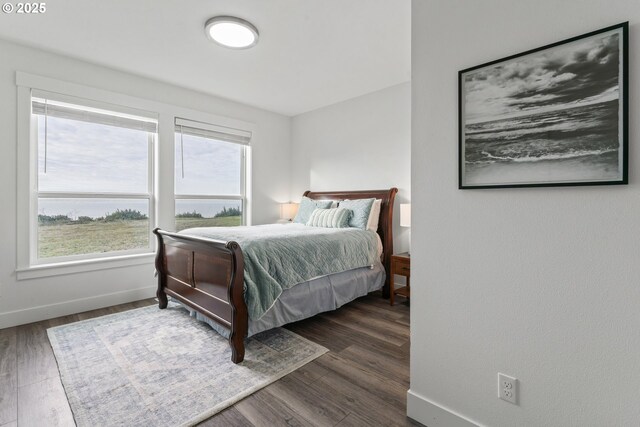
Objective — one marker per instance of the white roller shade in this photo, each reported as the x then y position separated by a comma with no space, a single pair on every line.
206,130
58,109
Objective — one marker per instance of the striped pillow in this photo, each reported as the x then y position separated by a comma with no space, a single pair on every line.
330,218
307,206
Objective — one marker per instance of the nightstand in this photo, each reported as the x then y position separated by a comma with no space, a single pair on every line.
400,265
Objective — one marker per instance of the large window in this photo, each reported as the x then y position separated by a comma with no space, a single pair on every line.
210,164
93,188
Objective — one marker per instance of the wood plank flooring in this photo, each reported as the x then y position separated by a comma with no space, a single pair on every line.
361,381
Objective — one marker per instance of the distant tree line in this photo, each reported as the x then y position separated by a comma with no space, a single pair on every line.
193,214
228,212
223,213
118,215
126,215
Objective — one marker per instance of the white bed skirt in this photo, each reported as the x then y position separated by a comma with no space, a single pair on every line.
309,298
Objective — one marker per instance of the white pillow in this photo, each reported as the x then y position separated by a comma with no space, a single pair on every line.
374,215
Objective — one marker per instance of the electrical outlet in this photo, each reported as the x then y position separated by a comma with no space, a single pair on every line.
508,388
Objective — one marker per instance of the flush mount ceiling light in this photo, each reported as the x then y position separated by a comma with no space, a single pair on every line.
231,32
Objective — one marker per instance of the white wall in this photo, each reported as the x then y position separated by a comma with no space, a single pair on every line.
538,283
359,144
29,300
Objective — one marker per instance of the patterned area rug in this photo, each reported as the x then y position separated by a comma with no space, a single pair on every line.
151,367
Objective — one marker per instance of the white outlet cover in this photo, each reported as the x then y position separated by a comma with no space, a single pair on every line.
508,388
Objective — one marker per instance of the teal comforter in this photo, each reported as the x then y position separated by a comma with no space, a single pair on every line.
279,256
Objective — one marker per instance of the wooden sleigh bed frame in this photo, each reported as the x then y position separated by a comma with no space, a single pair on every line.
208,275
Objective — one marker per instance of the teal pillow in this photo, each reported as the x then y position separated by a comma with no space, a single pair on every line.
361,209
330,218
306,208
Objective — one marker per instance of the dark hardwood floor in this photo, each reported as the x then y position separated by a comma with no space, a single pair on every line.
361,381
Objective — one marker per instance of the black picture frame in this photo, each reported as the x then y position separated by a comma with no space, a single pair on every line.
547,117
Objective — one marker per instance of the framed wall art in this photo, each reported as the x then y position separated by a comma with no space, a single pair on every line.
552,116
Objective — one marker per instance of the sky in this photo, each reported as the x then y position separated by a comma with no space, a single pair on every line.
579,73
89,157
208,170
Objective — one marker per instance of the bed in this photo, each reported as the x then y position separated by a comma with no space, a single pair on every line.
208,277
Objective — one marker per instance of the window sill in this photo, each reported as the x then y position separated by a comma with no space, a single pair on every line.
73,267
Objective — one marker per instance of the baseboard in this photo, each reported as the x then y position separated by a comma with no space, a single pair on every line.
432,414
44,312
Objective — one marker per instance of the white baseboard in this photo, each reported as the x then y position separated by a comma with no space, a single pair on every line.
44,312
432,414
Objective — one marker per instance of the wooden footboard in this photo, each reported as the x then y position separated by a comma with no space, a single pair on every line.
208,276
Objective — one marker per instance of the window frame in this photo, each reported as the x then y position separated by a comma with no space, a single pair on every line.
36,194
245,155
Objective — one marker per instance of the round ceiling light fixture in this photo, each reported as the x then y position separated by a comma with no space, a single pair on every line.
231,32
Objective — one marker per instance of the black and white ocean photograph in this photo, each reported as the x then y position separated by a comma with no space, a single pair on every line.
551,117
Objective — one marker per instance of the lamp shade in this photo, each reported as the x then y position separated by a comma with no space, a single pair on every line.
405,215
288,210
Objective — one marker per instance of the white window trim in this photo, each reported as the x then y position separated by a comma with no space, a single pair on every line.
163,196
94,264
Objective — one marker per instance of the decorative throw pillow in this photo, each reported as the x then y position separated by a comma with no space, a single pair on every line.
361,209
374,216
306,208
330,218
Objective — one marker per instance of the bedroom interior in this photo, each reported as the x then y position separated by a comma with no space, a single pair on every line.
132,294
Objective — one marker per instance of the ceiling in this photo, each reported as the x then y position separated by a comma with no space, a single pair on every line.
311,53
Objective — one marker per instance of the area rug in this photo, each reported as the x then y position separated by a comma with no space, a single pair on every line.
151,367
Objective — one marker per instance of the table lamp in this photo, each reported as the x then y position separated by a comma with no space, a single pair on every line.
288,211
405,219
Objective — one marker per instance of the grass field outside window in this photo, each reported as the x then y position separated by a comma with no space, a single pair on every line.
76,238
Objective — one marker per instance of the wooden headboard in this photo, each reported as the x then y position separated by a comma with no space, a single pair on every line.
385,225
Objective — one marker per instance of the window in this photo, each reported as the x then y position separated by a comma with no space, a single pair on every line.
210,183
93,192
91,166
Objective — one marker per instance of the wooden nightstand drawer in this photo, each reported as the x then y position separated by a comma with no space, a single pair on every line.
403,270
